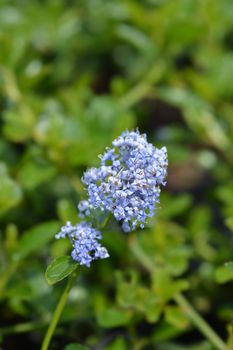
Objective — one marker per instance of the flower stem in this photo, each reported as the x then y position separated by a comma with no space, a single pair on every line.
199,322
58,311
105,221
188,309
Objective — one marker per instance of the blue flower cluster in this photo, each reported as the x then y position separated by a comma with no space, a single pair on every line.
127,183
84,239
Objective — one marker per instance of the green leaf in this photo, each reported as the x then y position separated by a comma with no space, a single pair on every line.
113,317
176,317
135,38
66,210
10,192
225,273
229,223
117,344
35,238
175,206
19,123
165,287
198,115
11,240
137,297
33,174
76,346
177,259
59,269
152,307
165,331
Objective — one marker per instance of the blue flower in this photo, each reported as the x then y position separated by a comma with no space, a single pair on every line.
84,239
126,184
128,181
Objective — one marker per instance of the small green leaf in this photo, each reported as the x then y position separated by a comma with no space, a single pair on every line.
59,269
76,346
138,298
19,123
229,266
176,317
35,238
11,240
152,307
117,344
32,174
225,273
113,317
229,223
10,191
165,287
66,210
175,207
165,331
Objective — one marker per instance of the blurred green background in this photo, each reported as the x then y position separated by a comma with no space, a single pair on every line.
73,76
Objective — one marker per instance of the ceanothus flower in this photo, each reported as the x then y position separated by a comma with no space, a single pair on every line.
84,239
127,183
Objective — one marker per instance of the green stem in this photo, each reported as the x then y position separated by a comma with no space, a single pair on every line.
106,221
58,311
191,313
199,322
62,301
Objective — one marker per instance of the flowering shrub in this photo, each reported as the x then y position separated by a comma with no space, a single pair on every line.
73,76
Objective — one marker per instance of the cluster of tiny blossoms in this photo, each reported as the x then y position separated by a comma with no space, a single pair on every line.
126,184
84,239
